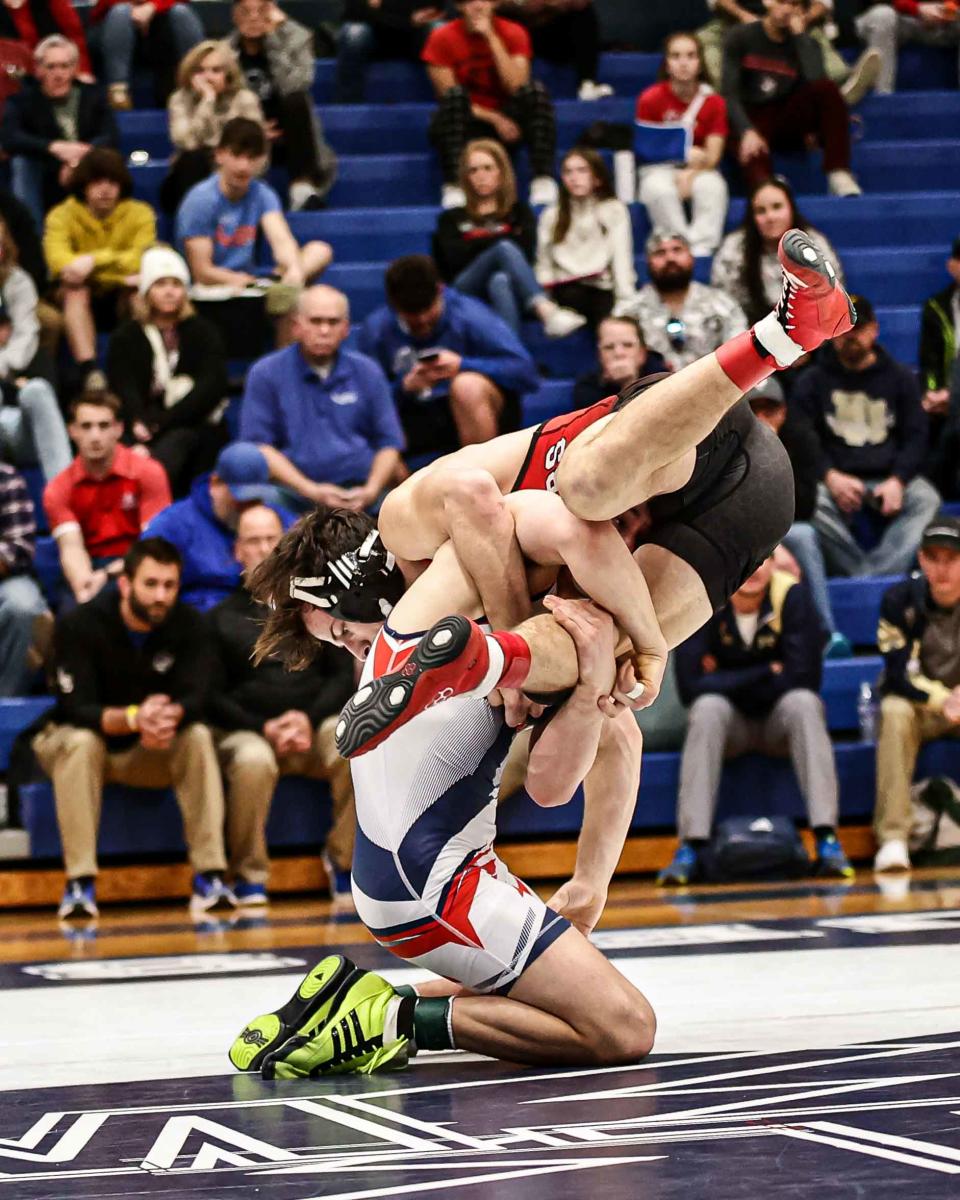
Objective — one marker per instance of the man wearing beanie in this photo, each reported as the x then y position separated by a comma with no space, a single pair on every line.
169,368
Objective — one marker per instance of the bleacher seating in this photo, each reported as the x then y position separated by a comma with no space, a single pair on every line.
892,241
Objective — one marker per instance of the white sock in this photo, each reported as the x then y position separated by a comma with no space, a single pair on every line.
776,341
300,193
494,671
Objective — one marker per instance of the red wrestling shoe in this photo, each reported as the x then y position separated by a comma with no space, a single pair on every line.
451,659
813,307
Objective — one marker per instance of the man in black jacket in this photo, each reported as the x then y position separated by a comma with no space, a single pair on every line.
50,124
939,328
132,668
919,637
623,357
751,676
271,722
778,95
865,410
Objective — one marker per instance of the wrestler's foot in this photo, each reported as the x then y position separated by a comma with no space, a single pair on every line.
359,1036
320,989
813,307
451,659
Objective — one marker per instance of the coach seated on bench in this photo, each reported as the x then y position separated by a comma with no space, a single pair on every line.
132,669
272,722
751,677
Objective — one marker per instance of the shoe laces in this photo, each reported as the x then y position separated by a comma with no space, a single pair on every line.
788,293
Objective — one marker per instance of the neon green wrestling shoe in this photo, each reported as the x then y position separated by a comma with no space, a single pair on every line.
360,1036
307,1011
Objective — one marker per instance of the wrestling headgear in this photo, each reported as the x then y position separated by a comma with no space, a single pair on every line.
361,585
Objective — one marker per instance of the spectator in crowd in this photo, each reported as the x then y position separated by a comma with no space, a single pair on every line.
585,241
374,30
271,722
29,21
746,266
479,66
323,416
211,90
623,357
93,242
486,248
220,219
51,124
683,96
751,677
132,670
939,340
919,637
169,369
778,96
21,601
890,23
866,412
97,507
566,32
457,371
203,527
809,16
769,405
277,59
681,319
160,31
31,426
26,237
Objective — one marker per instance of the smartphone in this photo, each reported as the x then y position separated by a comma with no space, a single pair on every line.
428,355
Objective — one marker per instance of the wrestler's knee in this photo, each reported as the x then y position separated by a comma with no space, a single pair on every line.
624,1029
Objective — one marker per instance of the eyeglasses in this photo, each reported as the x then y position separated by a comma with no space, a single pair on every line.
676,332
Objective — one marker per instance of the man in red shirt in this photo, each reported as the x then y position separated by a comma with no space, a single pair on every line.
479,66
98,506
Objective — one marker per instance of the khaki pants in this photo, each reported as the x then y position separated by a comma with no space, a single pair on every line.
251,769
904,727
78,762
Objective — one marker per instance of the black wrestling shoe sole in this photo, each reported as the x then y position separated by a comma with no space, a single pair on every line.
383,705
802,253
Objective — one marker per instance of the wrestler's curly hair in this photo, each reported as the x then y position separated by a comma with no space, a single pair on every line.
304,550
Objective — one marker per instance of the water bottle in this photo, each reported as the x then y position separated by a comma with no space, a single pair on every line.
867,713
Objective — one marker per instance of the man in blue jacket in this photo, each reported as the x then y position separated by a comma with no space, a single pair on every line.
323,416
203,527
458,372
751,677
866,411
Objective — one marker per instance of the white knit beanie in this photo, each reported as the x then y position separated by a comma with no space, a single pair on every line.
161,262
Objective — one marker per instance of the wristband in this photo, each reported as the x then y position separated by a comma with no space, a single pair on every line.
133,716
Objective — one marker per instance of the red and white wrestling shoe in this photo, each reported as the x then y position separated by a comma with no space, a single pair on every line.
813,306
451,659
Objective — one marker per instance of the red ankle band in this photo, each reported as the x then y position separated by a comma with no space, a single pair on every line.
744,363
516,659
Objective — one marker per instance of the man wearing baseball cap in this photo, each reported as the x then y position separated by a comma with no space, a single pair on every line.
865,409
919,637
203,527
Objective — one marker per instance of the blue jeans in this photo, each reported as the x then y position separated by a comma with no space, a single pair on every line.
117,38
27,176
502,278
804,545
20,603
33,430
895,552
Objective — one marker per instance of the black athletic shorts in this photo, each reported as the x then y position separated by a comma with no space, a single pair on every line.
736,507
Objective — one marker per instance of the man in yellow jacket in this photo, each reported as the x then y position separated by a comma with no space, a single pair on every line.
93,242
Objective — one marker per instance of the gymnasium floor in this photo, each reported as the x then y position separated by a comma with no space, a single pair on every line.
809,1044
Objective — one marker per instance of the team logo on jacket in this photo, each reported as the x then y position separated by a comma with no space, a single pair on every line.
162,662
64,681
343,397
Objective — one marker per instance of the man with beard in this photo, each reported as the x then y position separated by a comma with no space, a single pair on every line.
131,677
866,410
681,319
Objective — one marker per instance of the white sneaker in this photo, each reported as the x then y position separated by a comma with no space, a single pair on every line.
892,856
543,191
863,75
591,90
452,196
843,183
562,321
